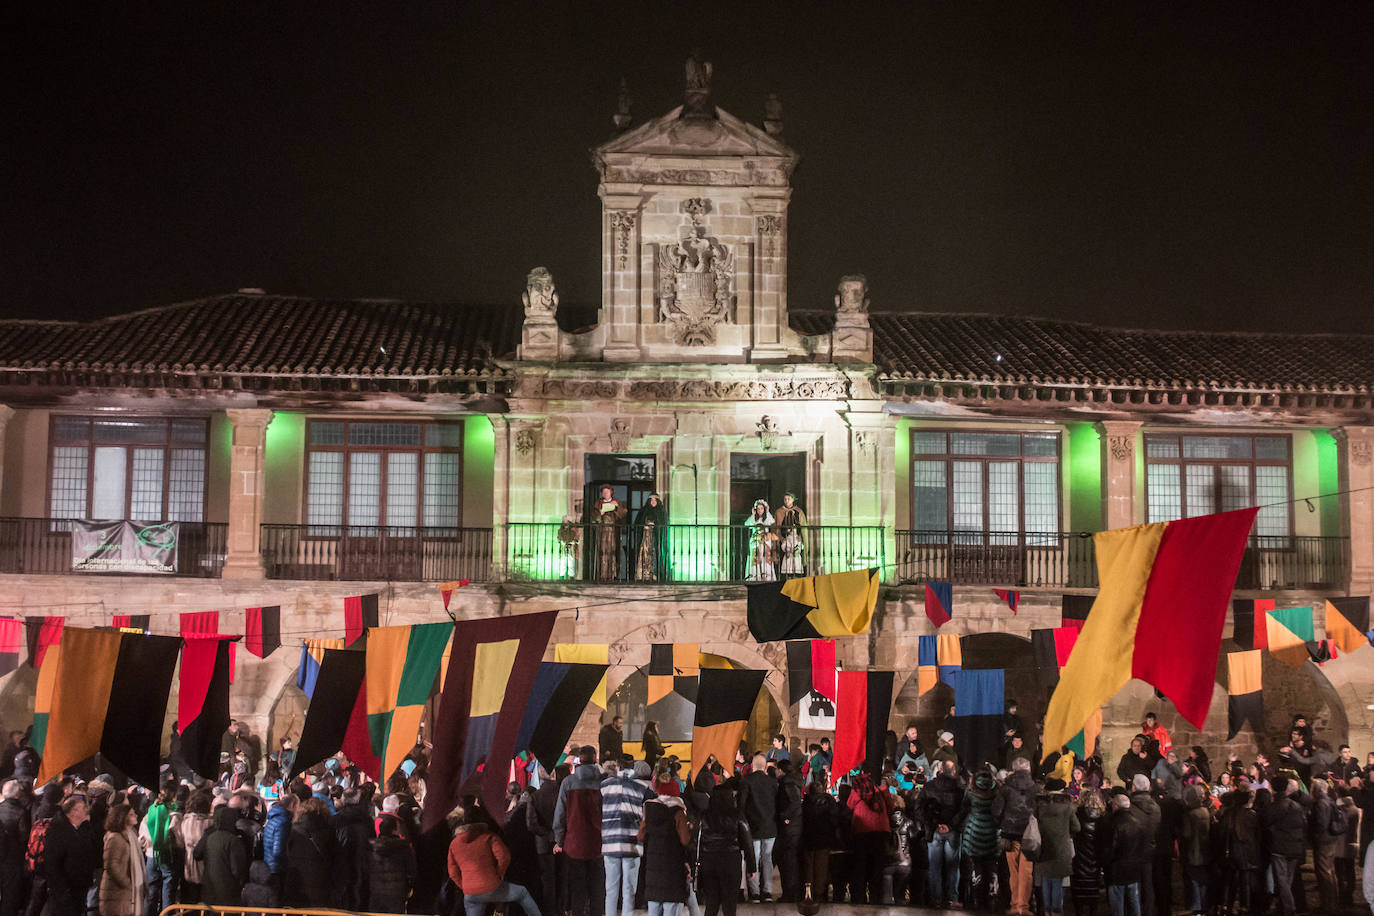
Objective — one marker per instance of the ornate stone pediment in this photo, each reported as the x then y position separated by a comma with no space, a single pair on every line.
671,134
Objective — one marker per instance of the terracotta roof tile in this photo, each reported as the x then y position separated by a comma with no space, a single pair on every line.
274,335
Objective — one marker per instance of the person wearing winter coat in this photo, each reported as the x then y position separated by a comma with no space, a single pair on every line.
942,800
69,861
902,876
666,838
224,861
577,832
477,863
311,851
1285,828
193,825
261,890
1327,841
1137,760
122,874
391,869
354,832
1054,812
979,839
14,840
1167,777
1013,809
721,836
758,803
1145,810
820,824
1087,861
870,808
1242,860
622,812
539,820
1124,857
1194,836
1350,849
787,852
275,835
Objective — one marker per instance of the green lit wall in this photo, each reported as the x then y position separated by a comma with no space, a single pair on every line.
1083,475
217,468
284,469
902,475
1315,472
479,471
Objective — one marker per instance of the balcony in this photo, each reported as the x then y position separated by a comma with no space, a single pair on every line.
43,546
688,554
337,552
1062,560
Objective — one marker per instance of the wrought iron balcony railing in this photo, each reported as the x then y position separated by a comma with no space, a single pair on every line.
43,546
634,555
326,552
1061,560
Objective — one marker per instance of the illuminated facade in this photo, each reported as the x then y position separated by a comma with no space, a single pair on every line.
314,449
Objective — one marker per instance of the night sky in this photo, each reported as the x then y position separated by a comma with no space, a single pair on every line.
1137,164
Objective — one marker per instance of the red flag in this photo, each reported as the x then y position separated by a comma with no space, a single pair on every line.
851,723
446,589
1009,596
360,612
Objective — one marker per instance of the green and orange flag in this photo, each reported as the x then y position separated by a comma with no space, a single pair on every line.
402,663
1165,590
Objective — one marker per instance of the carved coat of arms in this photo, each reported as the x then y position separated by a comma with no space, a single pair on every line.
694,287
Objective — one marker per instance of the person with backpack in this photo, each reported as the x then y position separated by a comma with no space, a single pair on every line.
14,838
35,849
722,835
1013,811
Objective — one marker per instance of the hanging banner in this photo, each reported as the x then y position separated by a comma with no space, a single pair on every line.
125,547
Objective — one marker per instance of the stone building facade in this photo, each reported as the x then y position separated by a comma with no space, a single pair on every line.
318,449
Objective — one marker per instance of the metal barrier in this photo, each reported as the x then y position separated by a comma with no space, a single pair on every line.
204,909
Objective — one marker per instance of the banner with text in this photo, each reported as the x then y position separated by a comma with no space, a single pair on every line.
124,547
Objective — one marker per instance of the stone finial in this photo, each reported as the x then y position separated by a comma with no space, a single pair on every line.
772,115
852,339
852,295
539,334
540,297
622,106
696,97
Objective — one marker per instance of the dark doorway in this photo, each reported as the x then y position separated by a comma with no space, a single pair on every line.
754,477
631,478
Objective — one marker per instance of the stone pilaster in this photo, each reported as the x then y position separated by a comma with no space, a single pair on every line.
769,313
246,461
1355,448
621,308
1120,442
6,414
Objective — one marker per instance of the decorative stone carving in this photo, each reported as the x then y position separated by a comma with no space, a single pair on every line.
524,441
540,297
865,440
694,281
696,96
623,225
1121,447
699,177
581,390
620,435
768,432
852,295
769,225
791,389
772,116
1361,453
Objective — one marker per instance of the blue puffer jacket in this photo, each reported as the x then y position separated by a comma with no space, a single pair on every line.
274,837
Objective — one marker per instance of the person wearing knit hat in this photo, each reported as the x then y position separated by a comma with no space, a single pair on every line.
1054,812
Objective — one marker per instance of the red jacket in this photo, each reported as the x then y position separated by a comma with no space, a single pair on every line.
477,859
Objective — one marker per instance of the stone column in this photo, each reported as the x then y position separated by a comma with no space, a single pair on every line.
621,286
770,278
1355,448
1120,439
6,414
246,459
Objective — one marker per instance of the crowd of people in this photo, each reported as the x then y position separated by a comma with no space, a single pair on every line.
1162,832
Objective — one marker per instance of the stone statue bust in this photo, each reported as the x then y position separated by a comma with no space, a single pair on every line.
851,297
540,297
696,96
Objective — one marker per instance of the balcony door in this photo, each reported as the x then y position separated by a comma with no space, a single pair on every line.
631,479
754,477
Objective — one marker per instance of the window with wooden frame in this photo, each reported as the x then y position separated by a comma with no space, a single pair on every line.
1190,474
985,487
147,469
390,474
